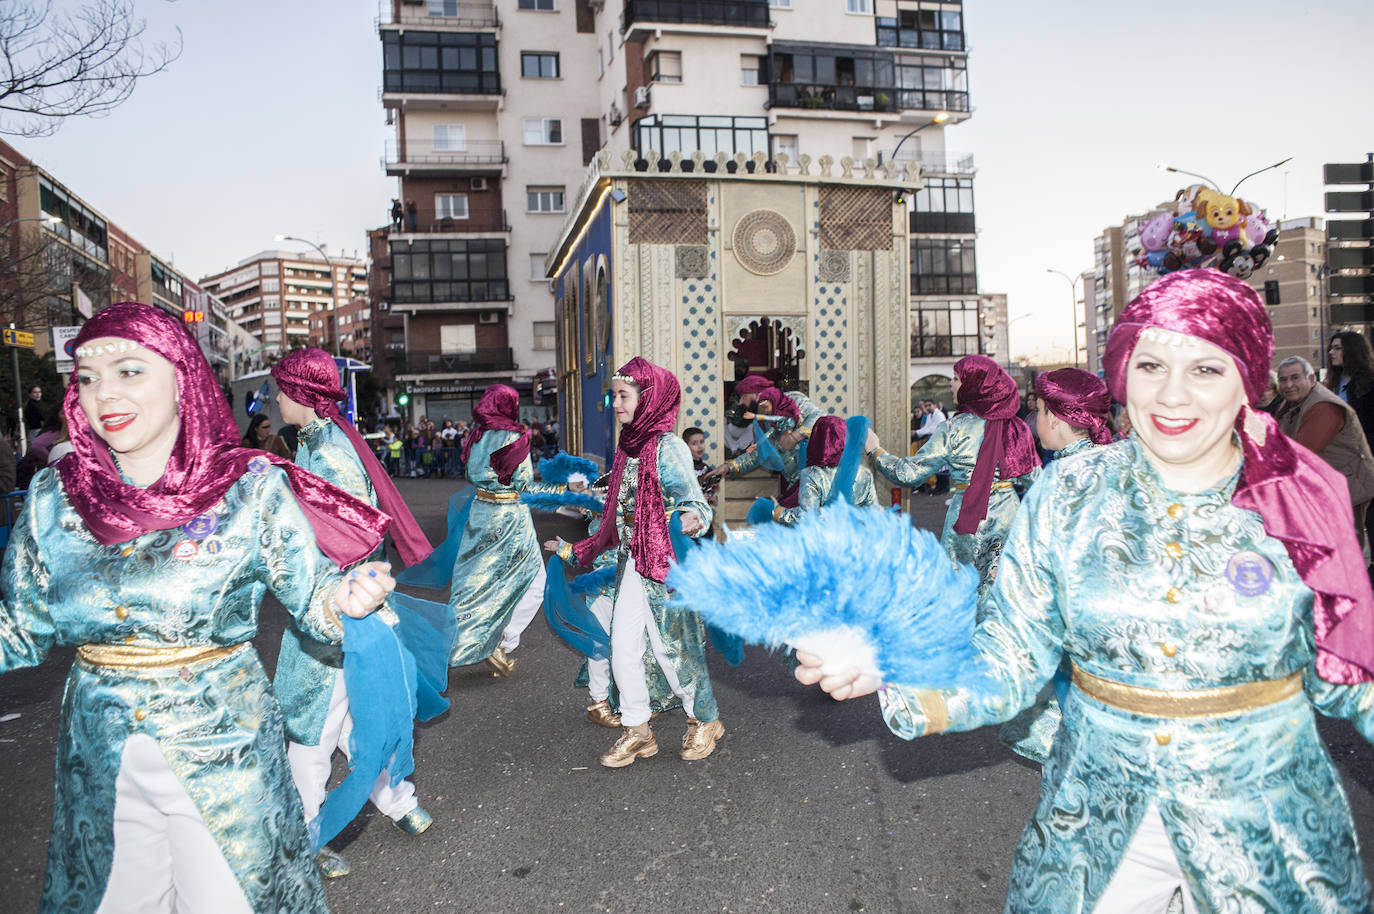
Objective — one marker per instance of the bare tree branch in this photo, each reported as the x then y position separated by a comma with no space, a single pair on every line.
83,63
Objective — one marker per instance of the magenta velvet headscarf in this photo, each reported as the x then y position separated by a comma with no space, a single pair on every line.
1008,450
827,442
499,408
311,378
1303,502
656,414
205,460
1078,397
782,404
752,384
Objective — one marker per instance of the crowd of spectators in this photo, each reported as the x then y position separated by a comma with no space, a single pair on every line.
421,448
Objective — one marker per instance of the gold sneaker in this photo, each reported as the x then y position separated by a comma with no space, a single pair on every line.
501,663
331,863
602,715
700,739
629,747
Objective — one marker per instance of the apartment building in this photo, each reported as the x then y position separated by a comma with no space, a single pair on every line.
498,108
274,294
64,260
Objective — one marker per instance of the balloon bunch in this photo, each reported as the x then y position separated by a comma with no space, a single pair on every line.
1206,228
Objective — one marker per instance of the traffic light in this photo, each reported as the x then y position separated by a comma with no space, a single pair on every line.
193,317
403,399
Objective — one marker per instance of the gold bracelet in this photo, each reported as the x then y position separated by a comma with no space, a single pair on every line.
778,512
565,552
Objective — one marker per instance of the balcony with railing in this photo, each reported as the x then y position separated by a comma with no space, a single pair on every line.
438,158
423,361
832,98
459,14
742,13
939,162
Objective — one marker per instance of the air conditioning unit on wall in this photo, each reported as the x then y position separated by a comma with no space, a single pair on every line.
614,117
489,317
477,183
642,97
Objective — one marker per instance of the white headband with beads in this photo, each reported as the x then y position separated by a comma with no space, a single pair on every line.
83,352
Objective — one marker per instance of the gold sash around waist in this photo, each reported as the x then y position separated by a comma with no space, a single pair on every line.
1217,702
1001,484
497,497
135,657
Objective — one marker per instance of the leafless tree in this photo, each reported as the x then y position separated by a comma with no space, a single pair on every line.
60,64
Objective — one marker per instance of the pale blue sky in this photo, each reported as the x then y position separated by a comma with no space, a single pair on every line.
270,122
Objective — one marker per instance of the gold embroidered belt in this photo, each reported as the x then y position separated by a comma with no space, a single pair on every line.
497,497
1002,484
135,657
1217,702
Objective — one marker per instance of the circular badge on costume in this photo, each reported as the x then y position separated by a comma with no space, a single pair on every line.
213,546
1250,573
185,550
259,465
202,525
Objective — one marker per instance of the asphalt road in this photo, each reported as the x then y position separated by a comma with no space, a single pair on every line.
807,805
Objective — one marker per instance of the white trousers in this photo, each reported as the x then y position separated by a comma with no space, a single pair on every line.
1148,876
529,604
311,765
165,859
599,671
632,621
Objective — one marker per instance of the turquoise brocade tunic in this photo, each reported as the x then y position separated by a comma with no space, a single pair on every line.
1161,590
815,486
499,556
216,722
306,668
681,630
955,444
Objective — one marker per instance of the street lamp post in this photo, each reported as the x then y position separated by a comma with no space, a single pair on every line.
1073,307
939,118
47,220
333,292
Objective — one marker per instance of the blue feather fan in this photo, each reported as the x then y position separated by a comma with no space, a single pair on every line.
760,512
552,501
561,466
842,575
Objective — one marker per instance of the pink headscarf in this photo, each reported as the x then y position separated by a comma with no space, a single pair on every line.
205,460
783,405
827,442
1078,397
656,414
311,378
1303,502
499,408
1008,450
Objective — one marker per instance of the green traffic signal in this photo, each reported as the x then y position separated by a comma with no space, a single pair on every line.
403,399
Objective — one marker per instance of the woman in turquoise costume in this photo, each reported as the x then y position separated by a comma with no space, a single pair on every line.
823,451
652,478
150,548
309,681
1203,580
498,577
1072,417
987,450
